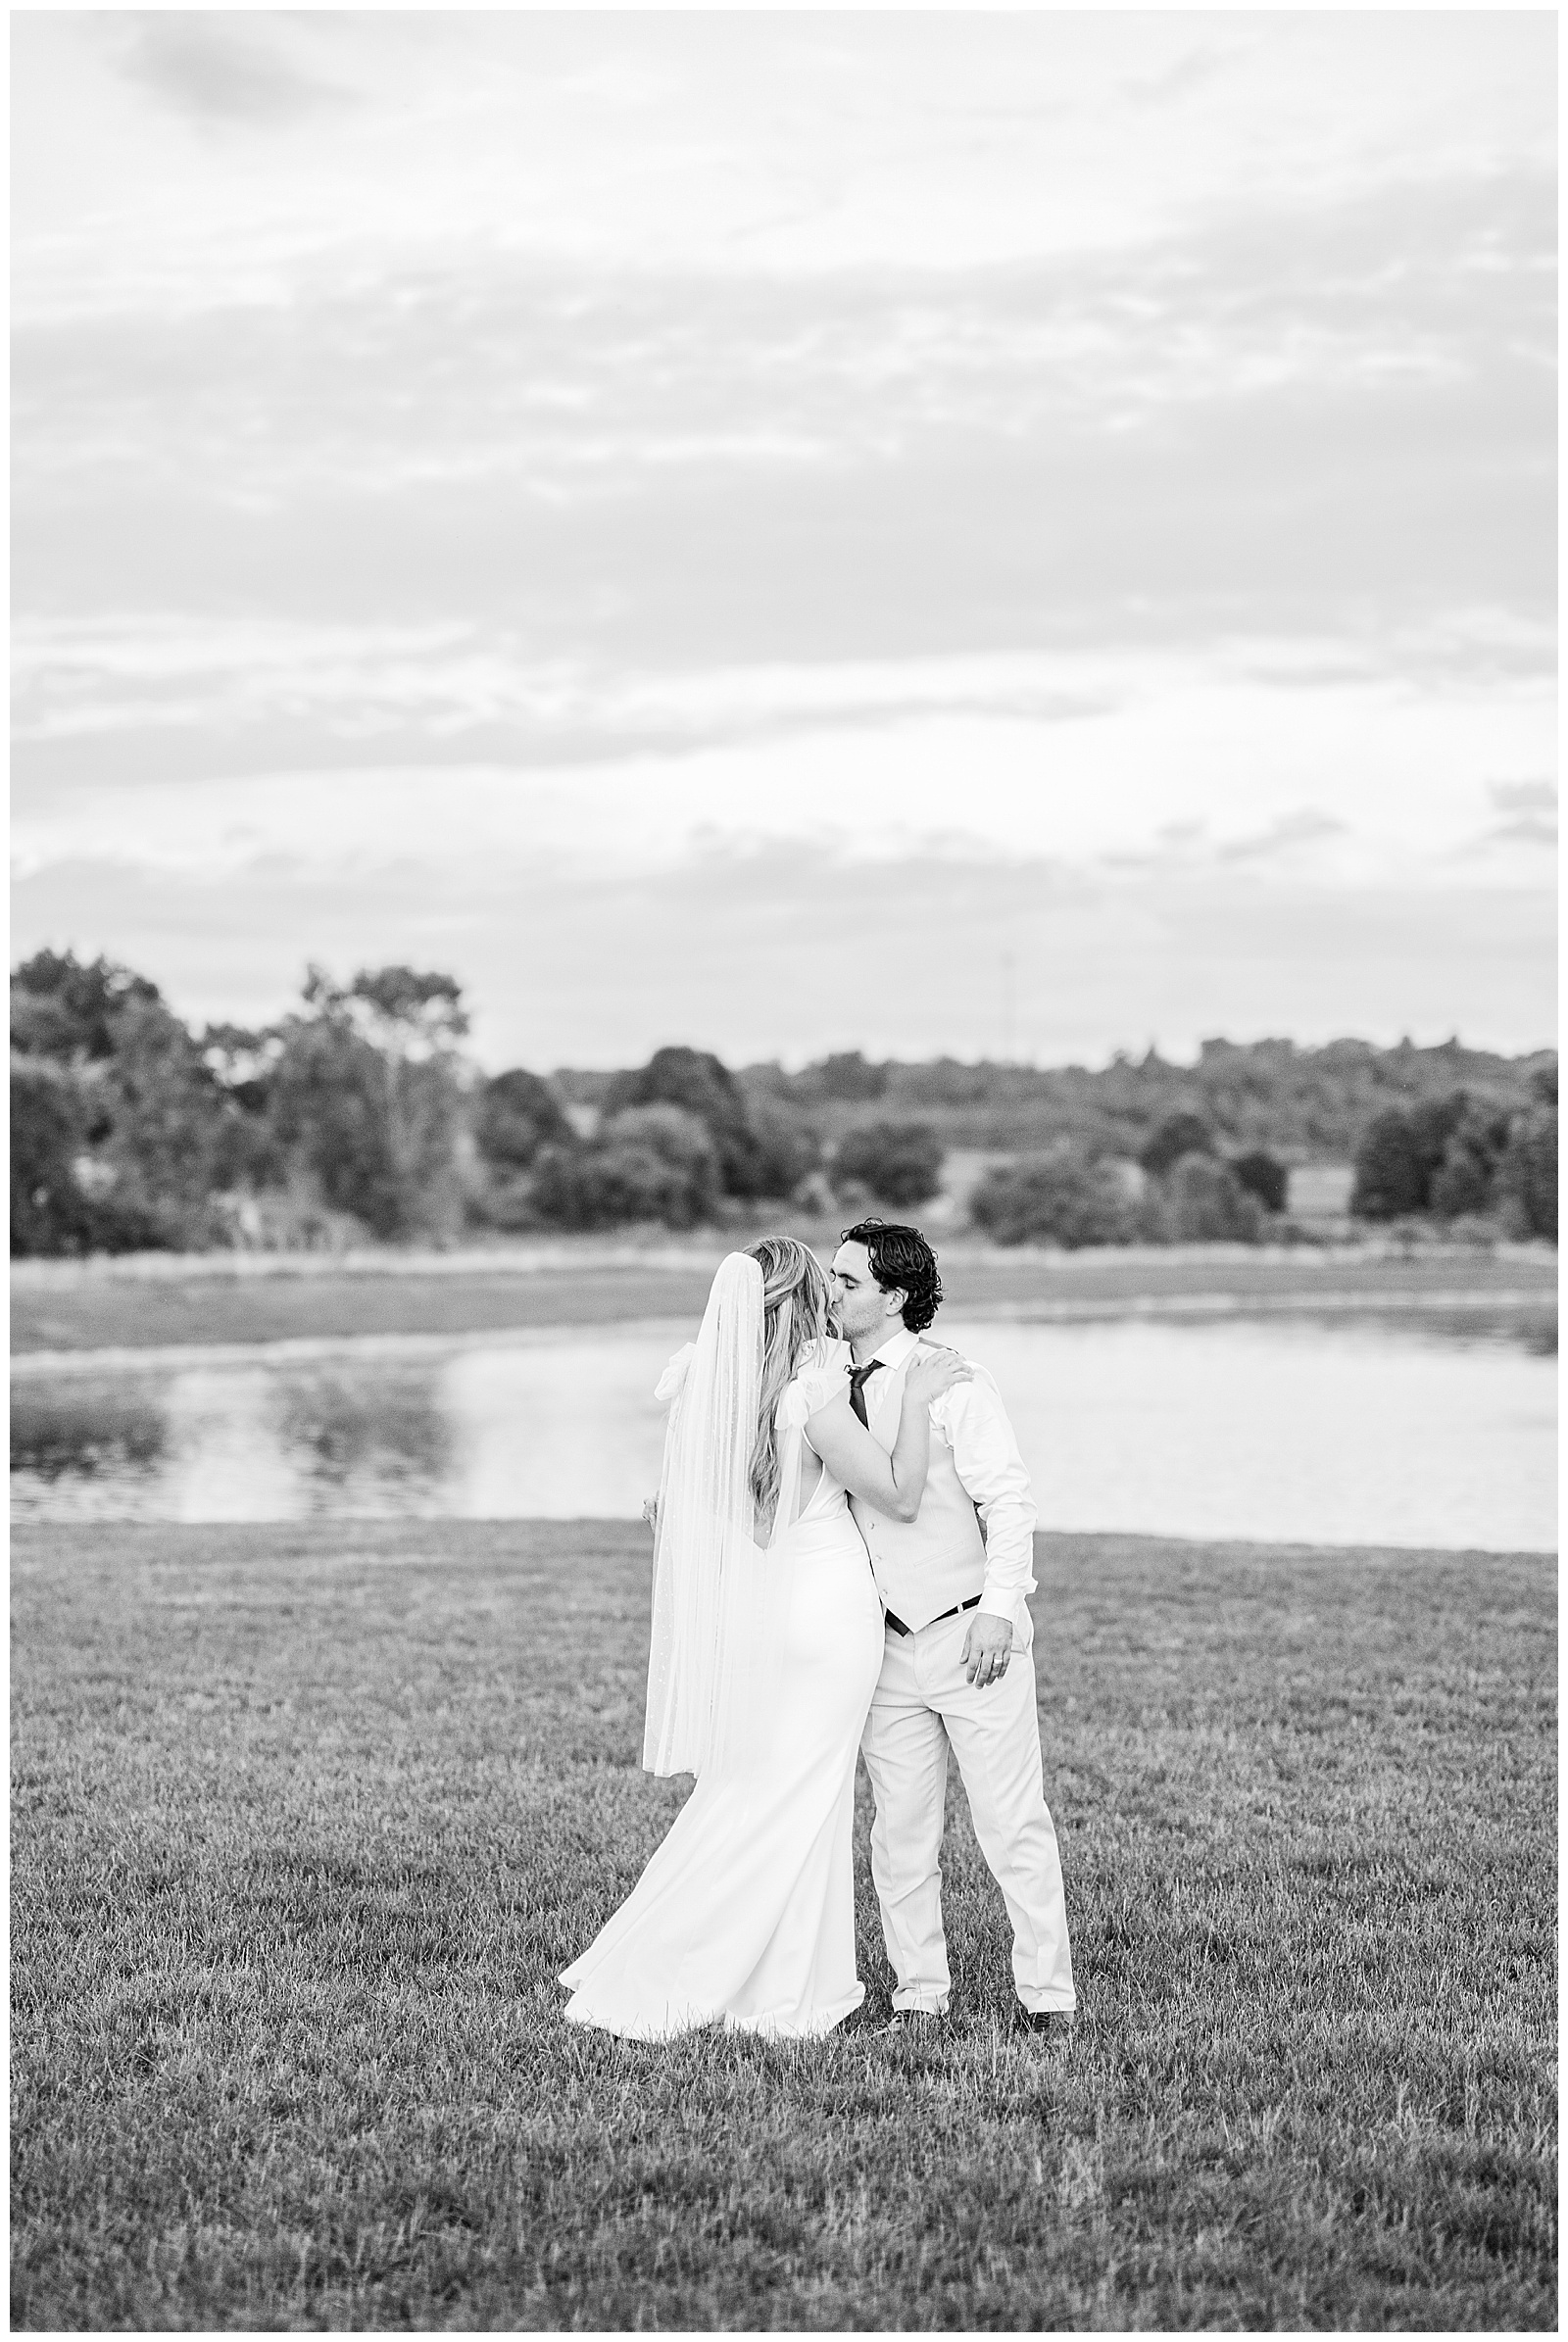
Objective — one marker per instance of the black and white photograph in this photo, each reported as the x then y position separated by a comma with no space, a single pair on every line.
784,1192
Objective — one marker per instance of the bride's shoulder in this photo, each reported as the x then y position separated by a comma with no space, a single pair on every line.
820,1373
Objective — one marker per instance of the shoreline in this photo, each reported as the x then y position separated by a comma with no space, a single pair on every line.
1187,1309
169,1302
532,1256
349,1538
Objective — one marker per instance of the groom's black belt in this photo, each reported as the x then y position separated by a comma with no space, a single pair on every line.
898,1627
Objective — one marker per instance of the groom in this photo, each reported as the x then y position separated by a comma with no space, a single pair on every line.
957,1668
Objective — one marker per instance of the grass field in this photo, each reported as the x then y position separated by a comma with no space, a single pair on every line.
306,1820
63,1306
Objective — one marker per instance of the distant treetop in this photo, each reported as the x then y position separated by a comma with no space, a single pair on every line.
68,1008
702,1083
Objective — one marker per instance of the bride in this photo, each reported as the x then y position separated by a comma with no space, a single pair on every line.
768,1641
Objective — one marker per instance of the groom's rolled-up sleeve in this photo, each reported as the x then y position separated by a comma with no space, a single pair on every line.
985,1453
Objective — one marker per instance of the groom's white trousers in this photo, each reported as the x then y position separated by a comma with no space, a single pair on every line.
922,1706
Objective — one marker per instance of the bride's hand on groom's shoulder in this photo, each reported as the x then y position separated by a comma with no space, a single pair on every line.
935,1370
651,1513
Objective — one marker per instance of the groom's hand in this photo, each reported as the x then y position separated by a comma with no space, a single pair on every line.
987,1648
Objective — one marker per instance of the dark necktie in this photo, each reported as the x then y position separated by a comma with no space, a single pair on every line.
859,1376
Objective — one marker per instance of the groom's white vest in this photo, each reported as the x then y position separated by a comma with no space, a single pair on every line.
928,1565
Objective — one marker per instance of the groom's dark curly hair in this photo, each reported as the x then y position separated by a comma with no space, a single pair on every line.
901,1261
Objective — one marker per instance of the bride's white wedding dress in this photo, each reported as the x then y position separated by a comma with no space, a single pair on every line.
747,1911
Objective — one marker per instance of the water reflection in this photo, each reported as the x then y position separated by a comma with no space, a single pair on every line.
224,1460
350,1432
234,1443
91,1429
1387,1431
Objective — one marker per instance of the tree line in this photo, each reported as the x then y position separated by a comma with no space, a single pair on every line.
1461,1157
1302,1104
359,1115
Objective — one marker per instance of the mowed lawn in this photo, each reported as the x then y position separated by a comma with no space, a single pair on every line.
307,1819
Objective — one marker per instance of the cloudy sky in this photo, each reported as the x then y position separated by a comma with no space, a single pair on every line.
1024,532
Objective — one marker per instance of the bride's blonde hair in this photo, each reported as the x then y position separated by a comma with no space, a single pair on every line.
795,1318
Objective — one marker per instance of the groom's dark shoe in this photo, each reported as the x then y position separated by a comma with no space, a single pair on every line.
916,2025
1052,2028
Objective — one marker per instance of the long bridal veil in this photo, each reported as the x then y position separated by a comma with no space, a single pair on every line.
717,1598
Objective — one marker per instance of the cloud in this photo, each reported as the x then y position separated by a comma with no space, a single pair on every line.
176,700
795,950
217,69
1086,758
1180,849
1524,797
1329,425
211,696
422,478
1305,827
738,145
1193,69
1530,807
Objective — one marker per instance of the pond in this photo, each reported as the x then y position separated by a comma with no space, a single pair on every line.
1371,1431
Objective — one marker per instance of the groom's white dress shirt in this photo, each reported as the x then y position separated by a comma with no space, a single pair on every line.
974,1533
